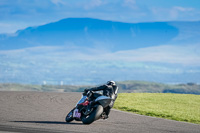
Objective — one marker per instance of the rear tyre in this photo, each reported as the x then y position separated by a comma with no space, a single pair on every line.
69,116
95,115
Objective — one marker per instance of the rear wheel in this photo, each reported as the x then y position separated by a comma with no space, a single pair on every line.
69,116
96,114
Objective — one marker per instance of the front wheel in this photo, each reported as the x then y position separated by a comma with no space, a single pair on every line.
69,116
96,114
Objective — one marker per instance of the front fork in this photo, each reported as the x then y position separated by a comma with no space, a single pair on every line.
89,108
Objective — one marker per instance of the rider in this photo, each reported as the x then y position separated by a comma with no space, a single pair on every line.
110,90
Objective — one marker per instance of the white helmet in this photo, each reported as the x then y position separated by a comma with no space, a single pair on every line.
111,83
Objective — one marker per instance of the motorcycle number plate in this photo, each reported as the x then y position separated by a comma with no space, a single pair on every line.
76,114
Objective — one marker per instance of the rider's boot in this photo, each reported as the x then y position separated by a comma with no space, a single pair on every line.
104,116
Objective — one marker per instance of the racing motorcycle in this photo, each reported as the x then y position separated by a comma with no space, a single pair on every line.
87,110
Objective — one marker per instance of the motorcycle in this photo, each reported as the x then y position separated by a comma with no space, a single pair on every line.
87,110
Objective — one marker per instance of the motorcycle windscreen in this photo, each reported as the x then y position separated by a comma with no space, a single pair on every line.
82,99
104,101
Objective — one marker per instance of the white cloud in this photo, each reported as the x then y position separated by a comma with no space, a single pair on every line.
173,13
185,55
57,2
182,9
92,4
130,3
8,28
177,11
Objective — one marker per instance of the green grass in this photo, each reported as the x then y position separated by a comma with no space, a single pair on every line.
180,107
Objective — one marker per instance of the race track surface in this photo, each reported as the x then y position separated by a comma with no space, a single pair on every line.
44,112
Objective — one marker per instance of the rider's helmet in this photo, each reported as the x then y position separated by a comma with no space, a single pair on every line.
111,83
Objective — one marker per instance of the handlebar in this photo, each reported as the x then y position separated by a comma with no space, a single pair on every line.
88,93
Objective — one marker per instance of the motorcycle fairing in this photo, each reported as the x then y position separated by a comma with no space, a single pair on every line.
104,100
81,100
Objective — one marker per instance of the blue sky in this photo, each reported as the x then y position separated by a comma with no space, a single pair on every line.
182,58
19,14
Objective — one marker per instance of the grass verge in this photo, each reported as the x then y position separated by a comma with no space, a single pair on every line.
180,107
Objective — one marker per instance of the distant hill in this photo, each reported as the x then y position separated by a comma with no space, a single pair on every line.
153,87
124,87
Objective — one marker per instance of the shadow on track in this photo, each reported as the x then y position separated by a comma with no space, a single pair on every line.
47,122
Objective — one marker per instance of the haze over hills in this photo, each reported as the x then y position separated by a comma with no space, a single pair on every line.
90,51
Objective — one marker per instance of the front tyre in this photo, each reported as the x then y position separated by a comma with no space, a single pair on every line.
69,116
96,114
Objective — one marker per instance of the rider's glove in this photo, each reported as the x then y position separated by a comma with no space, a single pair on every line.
86,90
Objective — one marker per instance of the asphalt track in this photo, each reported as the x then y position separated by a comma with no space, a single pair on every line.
44,112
